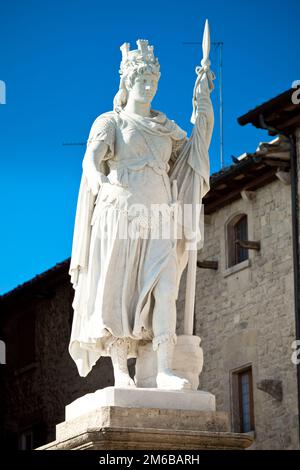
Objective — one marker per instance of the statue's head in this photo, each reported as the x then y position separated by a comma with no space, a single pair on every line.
139,72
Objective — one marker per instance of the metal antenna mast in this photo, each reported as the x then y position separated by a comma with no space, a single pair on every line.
220,47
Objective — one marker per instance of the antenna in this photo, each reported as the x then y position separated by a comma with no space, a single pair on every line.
220,47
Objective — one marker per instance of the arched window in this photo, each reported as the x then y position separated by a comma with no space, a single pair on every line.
237,230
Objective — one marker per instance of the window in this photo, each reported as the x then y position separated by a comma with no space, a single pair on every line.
2,352
32,436
237,230
243,407
26,440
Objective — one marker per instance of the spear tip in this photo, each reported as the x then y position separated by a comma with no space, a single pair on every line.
206,40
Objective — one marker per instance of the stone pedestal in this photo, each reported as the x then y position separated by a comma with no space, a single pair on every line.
145,419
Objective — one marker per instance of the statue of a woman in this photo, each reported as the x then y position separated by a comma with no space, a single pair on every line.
126,286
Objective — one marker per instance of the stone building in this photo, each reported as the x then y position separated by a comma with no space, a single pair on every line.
39,377
247,310
247,305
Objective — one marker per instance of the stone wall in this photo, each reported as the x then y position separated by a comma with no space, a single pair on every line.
247,316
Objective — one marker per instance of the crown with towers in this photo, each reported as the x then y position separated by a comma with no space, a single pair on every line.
142,57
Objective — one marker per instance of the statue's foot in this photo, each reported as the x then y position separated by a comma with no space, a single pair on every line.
124,381
167,380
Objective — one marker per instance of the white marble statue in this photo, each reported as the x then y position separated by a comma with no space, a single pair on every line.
136,160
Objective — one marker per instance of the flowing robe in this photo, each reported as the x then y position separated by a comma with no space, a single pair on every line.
114,272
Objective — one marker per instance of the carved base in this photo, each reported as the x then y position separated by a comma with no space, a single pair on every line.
124,427
151,439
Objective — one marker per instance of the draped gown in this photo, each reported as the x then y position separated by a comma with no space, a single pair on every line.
116,262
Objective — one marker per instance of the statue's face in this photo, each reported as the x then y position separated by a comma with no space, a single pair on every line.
144,88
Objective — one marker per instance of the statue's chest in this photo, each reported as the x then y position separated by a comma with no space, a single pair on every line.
132,142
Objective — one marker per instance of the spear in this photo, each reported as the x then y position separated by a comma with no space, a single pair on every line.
203,69
192,258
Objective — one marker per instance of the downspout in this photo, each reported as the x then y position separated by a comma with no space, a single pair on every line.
295,239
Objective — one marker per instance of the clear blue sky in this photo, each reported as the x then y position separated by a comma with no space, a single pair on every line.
60,62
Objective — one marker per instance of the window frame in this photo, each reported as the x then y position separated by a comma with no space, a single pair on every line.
237,399
232,247
23,438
